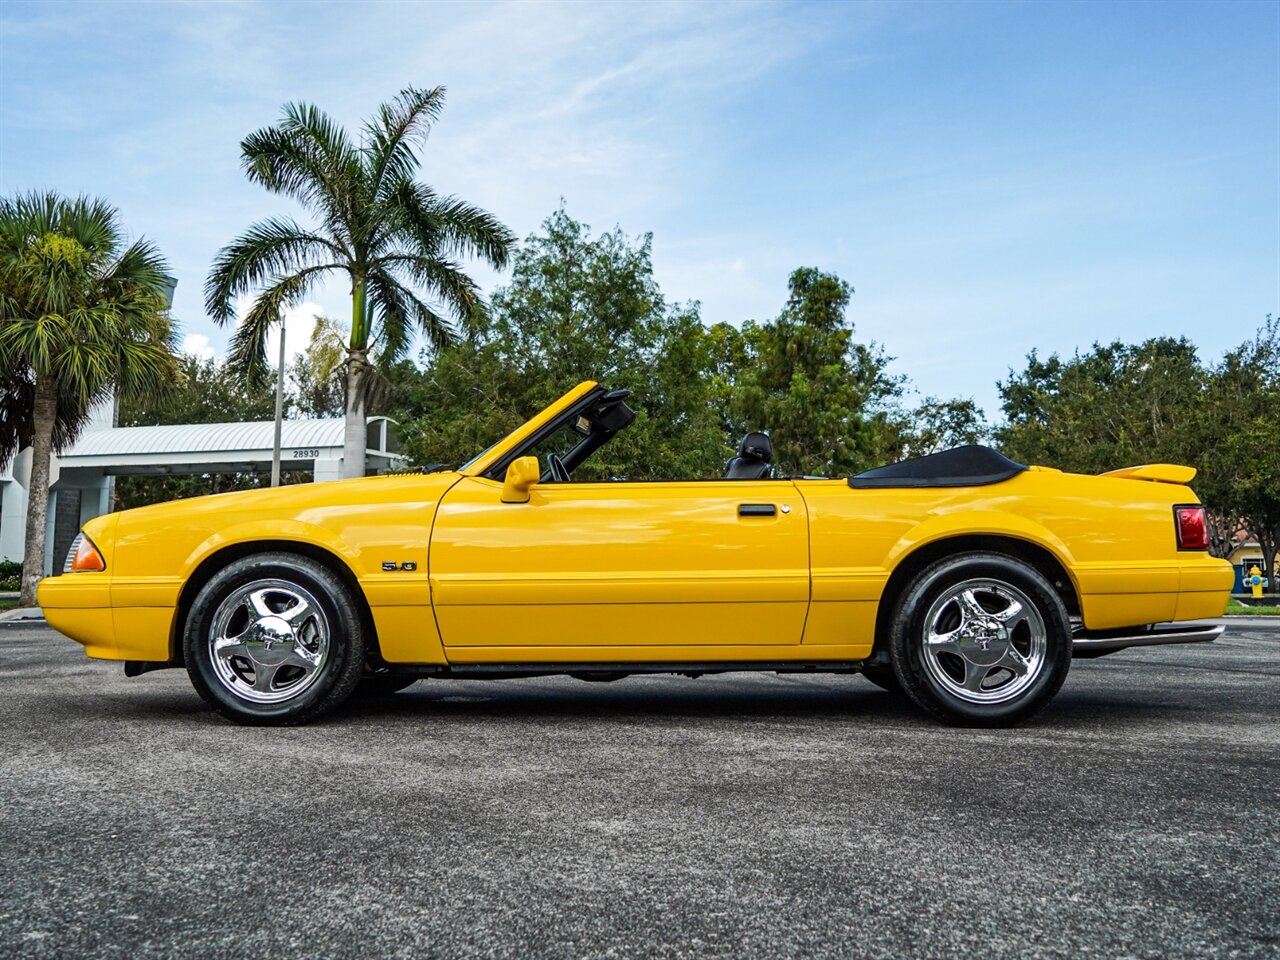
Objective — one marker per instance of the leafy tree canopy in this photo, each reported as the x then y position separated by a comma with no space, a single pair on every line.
81,313
578,307
823,396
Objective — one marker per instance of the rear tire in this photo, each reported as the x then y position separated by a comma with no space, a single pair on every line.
275,639
980,640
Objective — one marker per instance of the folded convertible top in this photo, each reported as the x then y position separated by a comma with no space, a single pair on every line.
969,466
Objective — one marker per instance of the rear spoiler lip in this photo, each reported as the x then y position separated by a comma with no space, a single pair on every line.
1156,472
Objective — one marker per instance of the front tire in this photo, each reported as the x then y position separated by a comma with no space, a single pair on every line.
275,639
981,640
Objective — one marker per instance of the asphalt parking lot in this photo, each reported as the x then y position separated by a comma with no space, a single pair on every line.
731,816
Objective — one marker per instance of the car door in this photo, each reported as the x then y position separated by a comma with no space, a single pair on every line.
589,571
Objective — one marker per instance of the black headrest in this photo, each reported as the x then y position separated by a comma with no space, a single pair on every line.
758,445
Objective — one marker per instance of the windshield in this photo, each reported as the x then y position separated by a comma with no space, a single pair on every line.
484,453
561,442
566,438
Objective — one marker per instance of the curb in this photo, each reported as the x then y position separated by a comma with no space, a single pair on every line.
21,614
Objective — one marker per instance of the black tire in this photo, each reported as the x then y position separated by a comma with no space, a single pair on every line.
883,677
374,685
302,676
978,607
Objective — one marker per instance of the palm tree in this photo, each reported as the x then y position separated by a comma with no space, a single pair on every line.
81,314
391,236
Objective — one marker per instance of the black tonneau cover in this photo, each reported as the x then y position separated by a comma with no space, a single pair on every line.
968,466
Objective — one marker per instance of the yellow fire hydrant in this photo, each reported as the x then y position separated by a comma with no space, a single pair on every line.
1255,578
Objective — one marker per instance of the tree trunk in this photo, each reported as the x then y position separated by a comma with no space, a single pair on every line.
46,411
355,437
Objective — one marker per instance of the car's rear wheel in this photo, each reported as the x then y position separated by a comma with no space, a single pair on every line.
980,639
275,638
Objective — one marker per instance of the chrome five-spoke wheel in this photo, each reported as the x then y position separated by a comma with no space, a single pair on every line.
981,639
985,641
275,638
269,641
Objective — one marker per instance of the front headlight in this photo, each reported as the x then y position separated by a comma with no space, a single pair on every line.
83,557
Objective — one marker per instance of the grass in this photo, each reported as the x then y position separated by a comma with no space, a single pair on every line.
1238,608
7,605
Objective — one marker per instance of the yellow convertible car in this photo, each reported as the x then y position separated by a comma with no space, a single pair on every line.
963,580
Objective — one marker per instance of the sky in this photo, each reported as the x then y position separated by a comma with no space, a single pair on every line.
991,178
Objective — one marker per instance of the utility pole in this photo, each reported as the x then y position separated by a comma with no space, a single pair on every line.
275,452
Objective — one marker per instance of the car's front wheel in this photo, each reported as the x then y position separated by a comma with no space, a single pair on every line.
275,638
980,639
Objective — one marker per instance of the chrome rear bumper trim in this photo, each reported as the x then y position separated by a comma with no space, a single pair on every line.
1195,633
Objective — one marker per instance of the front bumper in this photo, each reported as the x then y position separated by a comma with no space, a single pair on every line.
79,606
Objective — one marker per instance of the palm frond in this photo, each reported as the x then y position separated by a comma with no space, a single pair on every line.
442,278
85,362
36,341
139,274
327,349
449,226
401,122
148,367
401,310
24,218
248,354
268,249
317,167
93,223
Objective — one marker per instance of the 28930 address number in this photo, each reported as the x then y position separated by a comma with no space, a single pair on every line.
306,453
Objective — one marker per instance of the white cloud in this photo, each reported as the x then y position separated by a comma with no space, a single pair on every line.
197,345
299,323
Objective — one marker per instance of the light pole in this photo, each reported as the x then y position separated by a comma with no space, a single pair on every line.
275,451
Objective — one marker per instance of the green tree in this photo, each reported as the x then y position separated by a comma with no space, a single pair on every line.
389,234
316,374
84,314
823,396
578,307
933,426
1238,430
206,392
1115,406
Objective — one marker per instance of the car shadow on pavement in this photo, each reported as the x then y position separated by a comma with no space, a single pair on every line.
636,697
788,699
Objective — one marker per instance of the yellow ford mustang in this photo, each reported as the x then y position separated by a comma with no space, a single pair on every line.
962,579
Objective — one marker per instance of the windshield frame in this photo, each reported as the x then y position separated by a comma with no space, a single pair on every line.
499,452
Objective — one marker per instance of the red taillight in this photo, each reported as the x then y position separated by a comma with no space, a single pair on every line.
1193,528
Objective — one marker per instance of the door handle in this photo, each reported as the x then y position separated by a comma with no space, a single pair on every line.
757,510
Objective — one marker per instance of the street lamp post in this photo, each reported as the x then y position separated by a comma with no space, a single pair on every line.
275,452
